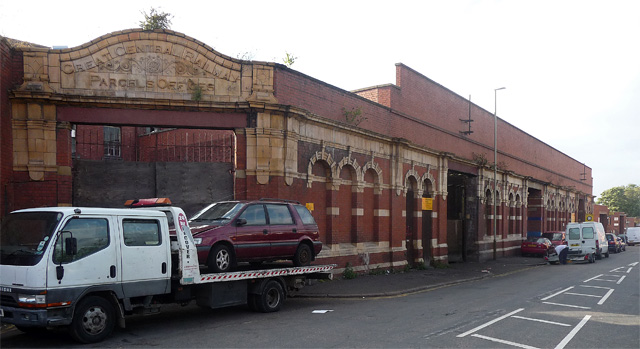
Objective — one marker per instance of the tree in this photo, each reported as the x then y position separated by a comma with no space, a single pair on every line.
622,199
155,20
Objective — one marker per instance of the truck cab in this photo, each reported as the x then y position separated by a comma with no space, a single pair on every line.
57,263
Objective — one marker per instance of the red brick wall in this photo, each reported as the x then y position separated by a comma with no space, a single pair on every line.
428,115
11,72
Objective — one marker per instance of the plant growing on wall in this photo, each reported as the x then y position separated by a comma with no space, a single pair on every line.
353,116
196,95
289,59
480,159
155,20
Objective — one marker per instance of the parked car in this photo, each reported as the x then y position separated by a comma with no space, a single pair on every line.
556,237
229,232
633,235
614,244
536,245
623,244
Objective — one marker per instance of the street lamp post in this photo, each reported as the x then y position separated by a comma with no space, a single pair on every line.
495,167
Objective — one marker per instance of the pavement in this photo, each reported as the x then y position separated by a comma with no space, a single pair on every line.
415,280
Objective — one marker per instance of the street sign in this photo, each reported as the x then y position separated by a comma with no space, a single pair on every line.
589,218
427,204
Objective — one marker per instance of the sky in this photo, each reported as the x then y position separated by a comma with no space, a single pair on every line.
571,68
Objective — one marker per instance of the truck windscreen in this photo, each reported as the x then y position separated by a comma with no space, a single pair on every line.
24,236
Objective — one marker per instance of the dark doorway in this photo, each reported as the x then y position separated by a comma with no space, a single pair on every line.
462,217
427,221
411,222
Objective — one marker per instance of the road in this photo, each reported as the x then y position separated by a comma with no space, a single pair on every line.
552,306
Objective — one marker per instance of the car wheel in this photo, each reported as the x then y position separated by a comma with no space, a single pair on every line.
606,255
303,256
271,298
221,259
93,320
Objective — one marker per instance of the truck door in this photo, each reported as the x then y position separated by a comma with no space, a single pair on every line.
145,256
95,262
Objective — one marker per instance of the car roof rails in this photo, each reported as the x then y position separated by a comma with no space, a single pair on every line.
283,200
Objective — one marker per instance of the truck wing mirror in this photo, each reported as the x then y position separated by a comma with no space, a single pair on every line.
240,222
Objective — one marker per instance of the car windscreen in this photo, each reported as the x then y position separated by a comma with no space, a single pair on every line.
218,213
25,236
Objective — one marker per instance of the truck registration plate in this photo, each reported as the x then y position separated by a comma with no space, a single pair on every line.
575,245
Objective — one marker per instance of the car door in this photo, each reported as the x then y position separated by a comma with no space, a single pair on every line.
252,237
283,231
144,256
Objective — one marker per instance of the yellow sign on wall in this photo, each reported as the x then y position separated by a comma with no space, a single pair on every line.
309,206
573,217
589,218
427,204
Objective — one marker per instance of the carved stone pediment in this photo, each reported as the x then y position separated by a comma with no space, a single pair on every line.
144,64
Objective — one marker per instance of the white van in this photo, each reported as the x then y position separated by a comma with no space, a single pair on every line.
633,235
587,241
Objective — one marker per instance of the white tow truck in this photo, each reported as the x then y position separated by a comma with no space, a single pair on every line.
87,268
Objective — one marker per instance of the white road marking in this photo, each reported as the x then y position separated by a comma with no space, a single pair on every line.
616,270
604,298
582,294
573,332
489,323
557,293
502,341
622,278
606,288
634,264
567,305
540,320
593,278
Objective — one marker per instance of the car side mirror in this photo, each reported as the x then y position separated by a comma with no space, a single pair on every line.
240,222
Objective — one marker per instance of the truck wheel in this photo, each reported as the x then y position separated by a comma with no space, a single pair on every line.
303,256
592,258
272,297
93,320
220,259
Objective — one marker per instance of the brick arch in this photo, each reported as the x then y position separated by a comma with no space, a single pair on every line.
372,165
412,173
353,163
428,177
324,157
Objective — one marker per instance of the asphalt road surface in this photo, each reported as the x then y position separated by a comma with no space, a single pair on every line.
552,306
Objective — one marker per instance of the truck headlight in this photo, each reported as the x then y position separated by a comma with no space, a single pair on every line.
197,241
32,300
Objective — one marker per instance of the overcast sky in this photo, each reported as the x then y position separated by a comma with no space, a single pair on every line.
571,68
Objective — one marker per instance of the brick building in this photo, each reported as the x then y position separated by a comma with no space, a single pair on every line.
391,178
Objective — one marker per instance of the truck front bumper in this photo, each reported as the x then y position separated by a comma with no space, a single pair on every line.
36,317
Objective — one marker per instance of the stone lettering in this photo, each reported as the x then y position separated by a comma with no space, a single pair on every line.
67,68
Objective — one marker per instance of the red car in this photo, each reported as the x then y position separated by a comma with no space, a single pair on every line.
535,245
229,232
557,237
